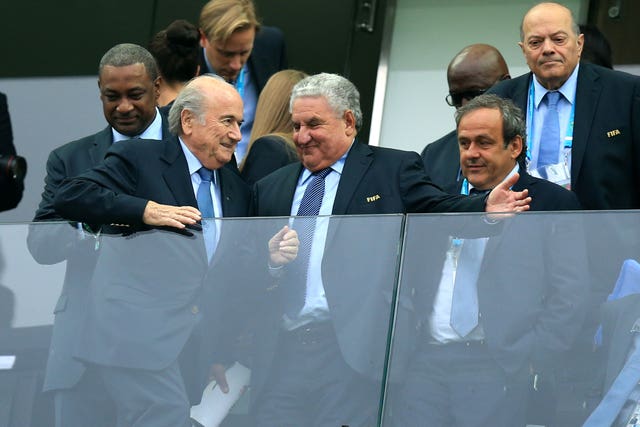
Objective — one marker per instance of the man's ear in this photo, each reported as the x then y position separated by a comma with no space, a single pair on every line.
515,147
186,121
203,39
350,122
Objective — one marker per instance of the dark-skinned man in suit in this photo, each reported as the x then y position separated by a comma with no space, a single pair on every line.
127,80
470,73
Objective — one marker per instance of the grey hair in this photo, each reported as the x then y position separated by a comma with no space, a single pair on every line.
340,93
574,24
513,123
190,98
125,54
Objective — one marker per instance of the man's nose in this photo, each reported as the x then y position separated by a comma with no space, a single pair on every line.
124,106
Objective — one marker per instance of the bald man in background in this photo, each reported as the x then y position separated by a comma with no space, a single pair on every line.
470,73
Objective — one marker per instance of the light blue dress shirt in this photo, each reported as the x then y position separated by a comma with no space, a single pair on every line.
565,105
153,131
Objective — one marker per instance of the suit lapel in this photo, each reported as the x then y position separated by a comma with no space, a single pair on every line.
101,145
356,165
587,96
283,198
174,175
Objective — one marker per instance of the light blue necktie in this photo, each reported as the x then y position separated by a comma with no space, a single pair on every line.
297,274
612,402
550,133
464,305
205,206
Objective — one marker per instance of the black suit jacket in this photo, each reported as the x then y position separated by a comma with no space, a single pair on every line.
267,57
11,189
605,167
533,282
442,161
374,181
52,243
266,154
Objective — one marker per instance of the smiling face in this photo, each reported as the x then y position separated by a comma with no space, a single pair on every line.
321,136
129,97
550,45
214,141
484,159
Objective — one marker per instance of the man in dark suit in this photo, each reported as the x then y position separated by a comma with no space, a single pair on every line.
601,150
470,73
237,48
127,80
527,310
11,187
314,356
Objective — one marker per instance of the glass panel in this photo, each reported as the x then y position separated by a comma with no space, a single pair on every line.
529,357
140,318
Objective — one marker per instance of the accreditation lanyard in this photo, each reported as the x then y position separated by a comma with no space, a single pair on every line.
568,138
240,81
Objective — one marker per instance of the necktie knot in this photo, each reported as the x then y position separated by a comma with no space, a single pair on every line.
553,98
322,173
205,174
477,192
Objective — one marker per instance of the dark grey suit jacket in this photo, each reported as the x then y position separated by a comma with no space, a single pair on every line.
53,243
442,161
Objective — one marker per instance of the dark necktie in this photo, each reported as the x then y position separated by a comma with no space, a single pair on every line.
476,192
550,133
205,206
609,408
297,274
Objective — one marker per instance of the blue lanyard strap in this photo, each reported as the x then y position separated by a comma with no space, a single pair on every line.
568,138
240,81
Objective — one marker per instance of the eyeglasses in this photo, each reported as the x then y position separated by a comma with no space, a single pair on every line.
455,99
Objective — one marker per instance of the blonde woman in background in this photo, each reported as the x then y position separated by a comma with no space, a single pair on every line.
271,143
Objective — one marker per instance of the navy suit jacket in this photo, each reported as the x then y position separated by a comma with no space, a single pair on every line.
442,161
54,243
533,282
605,167
151,291
268,56
266,154
374,181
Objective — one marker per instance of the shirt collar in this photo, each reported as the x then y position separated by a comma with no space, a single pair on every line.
153,131
193,163
568,89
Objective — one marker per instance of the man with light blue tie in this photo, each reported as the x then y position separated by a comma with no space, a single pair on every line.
174,305
595,147
485,333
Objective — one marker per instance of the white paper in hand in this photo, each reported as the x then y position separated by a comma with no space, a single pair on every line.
215,404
